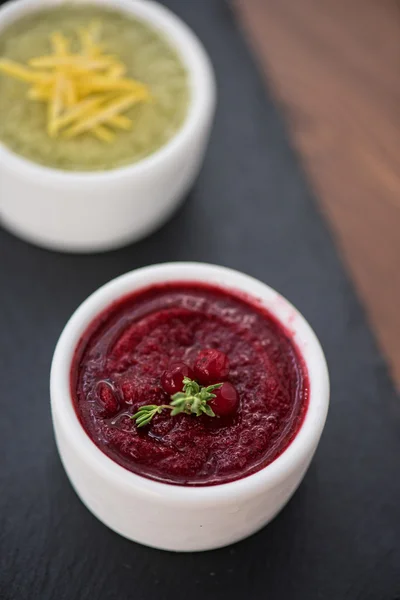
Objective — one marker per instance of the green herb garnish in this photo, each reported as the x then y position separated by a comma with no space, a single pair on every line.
193,400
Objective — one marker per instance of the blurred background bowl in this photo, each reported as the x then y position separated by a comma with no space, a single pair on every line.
95,211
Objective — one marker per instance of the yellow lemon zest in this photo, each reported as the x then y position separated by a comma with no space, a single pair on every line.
121,122
86,91
14,69
103,134
78,110
102,115
116,71
40,91
80,63
56,104
71,94
86,40
104,83
60,43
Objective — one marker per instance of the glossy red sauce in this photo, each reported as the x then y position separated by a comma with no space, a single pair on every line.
126,349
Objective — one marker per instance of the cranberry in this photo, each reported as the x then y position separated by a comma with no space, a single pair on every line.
172,379
108,399
211,366
226,400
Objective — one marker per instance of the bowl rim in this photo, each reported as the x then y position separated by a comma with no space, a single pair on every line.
190,50
295,457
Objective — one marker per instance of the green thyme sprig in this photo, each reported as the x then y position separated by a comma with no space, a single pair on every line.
193,400
145,413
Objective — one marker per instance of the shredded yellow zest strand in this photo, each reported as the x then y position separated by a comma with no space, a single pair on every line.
9,67
120,121
60,43
56,104
85,92
78,111
108,111
103,133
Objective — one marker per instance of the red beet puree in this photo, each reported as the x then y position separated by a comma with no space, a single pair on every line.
118,366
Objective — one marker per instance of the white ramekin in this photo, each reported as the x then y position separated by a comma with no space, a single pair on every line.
93,211
174,517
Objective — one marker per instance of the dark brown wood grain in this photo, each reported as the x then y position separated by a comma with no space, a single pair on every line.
334,65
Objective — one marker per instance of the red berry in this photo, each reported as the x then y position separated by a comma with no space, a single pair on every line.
172,379
211,366
108,399
226,400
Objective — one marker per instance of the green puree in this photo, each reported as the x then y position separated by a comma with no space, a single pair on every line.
148,57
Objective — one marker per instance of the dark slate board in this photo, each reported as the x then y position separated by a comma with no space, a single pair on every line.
339,538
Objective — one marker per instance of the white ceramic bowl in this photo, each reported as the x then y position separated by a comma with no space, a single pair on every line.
92,211
174,517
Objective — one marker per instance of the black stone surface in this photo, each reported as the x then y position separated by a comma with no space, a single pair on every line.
339,538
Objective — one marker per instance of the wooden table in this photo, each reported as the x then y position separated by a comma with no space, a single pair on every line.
334,66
